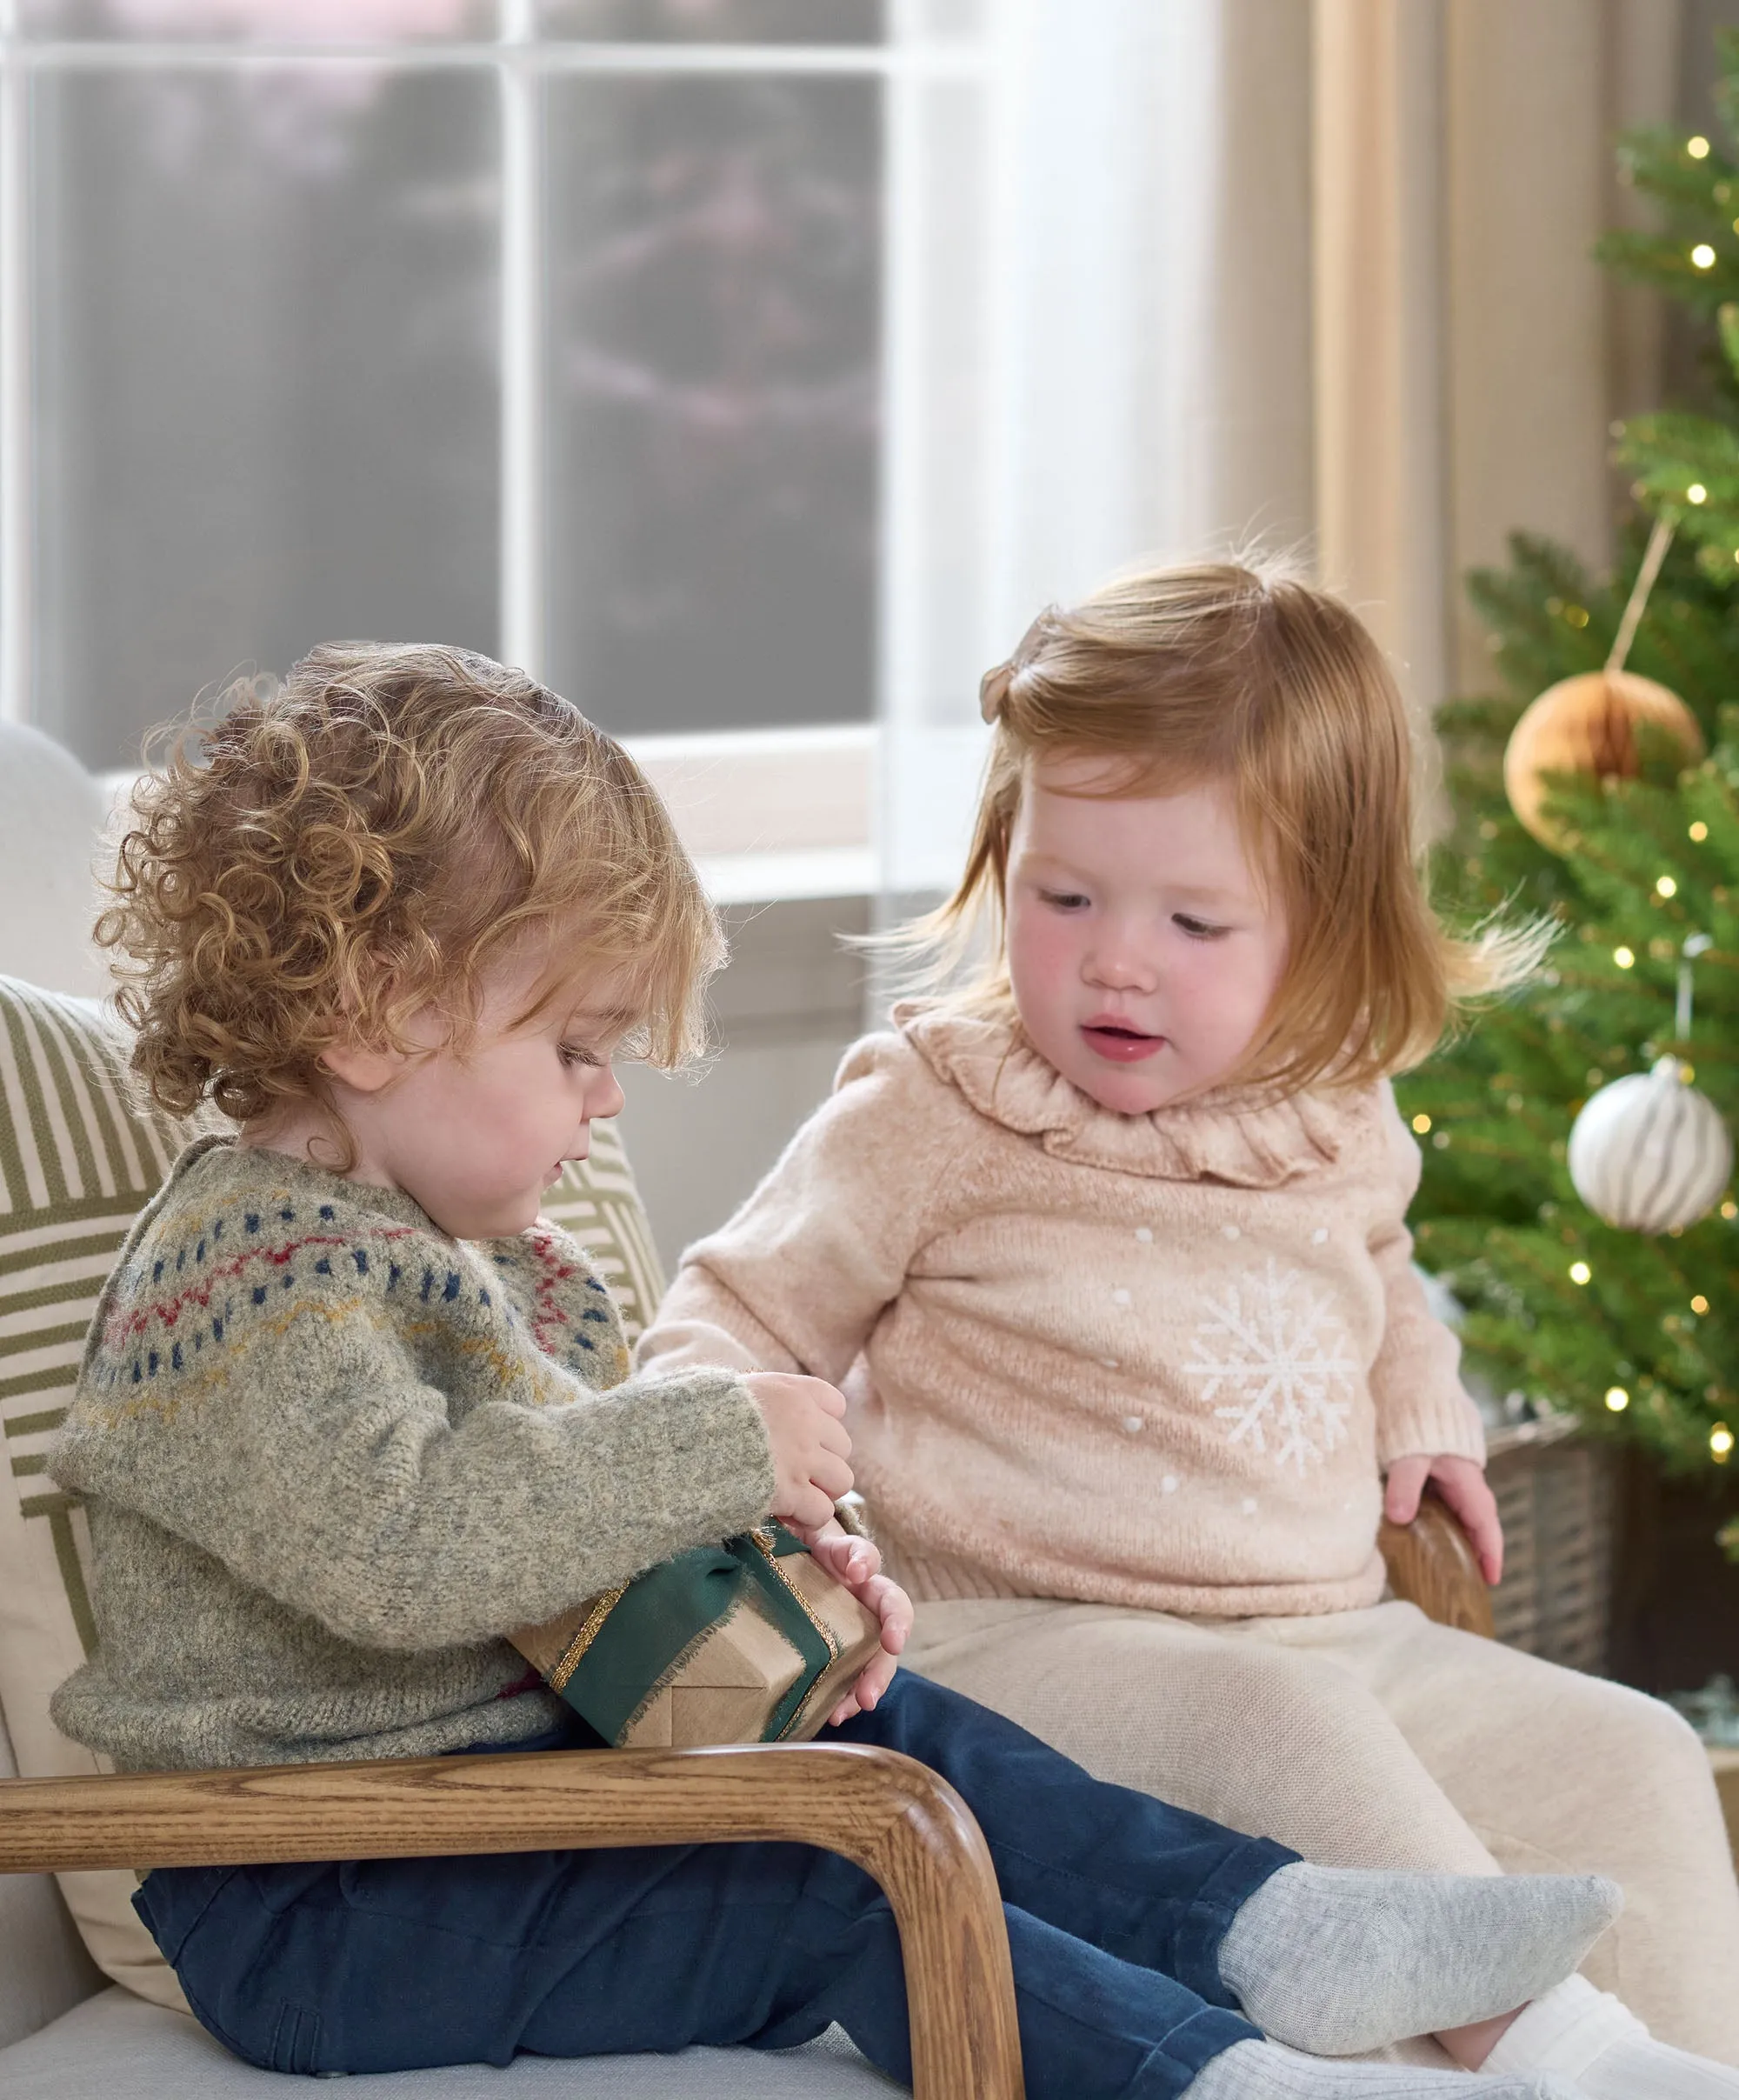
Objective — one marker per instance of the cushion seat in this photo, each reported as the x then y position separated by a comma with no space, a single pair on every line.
117,2045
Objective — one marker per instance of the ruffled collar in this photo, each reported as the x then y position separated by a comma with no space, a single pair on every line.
1230,1134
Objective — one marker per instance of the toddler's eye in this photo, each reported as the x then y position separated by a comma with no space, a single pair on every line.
576,1053
1198,930
1064,900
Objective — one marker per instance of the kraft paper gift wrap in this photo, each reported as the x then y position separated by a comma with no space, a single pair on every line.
749,1641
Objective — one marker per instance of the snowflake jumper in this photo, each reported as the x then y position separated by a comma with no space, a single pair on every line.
1151,1360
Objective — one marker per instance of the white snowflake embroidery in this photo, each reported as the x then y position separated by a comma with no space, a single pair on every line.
1277,1343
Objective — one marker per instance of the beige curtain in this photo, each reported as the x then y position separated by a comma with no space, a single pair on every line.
1468,354
1165,276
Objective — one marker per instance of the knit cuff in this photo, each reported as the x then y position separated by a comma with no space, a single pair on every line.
1446,1426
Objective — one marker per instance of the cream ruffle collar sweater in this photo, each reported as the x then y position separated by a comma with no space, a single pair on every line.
1153,1360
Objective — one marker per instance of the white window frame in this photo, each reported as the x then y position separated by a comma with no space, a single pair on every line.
769,813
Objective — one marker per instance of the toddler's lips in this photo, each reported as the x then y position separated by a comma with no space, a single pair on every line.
1121,1045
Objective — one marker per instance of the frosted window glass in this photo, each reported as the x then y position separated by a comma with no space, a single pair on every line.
715,21
264,361
712,367
258,21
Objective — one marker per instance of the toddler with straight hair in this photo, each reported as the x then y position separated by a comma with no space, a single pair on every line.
348,1413
1107,1244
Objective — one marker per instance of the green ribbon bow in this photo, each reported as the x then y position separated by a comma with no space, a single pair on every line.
639,1636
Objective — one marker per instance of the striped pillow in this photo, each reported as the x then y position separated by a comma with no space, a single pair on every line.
80,1154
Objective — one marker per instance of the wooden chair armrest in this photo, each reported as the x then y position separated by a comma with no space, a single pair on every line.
1432,1564
895,1817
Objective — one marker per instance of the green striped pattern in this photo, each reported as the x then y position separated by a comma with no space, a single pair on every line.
598,1201
80,1151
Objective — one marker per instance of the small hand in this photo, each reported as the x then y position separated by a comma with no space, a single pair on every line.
807,1433
857,1563
1463,1485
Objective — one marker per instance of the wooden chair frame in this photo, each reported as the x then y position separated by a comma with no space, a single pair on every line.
899,1821
1432,1564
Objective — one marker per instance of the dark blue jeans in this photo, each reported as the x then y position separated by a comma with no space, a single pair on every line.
1115,1904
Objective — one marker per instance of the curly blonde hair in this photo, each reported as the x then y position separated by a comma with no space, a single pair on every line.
331,855
1245,672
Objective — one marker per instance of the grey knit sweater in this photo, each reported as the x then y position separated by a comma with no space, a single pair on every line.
331,1456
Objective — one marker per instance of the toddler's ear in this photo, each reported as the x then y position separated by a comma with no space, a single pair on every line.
364,1071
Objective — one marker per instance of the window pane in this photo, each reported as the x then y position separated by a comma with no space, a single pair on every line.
714,263
266,372
715,21
259,21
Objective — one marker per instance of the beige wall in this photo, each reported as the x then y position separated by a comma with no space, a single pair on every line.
787,1006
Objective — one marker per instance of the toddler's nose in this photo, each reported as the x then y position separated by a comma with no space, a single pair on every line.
1120,969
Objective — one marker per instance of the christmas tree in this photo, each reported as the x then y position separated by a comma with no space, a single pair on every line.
1636,1332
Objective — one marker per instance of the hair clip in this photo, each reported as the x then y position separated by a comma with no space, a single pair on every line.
993,690
993,687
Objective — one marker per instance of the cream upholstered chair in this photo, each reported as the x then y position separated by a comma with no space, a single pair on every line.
86,2005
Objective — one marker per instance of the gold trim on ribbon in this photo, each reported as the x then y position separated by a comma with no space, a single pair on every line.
590,1630
763,1541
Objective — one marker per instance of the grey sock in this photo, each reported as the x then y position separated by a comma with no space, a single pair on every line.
1338,1960
1265,2071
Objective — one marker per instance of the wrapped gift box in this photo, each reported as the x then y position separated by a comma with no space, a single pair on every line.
749,1641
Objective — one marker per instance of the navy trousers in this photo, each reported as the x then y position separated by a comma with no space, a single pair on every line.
1116,1905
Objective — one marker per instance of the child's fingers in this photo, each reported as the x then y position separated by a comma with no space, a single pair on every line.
833,1477
865,1694
877,1676
1465,1488
808,1507
847,1557
893,1607
1401,1493
821,1539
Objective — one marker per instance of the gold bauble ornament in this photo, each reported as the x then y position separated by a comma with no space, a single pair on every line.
1587,724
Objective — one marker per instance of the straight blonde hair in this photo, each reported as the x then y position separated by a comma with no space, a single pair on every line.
1238,671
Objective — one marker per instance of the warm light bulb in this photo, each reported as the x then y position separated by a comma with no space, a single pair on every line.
1703,255
1699,1304
1696,493
1697,147
1665,886
1720,1442
1623,957
1699,830
1580,1272
1422,1123
1617,1399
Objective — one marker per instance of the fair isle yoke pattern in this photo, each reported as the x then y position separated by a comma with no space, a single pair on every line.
355,1453
81,1152
247,1269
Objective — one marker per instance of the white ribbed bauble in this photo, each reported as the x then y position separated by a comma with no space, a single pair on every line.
1650,1152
